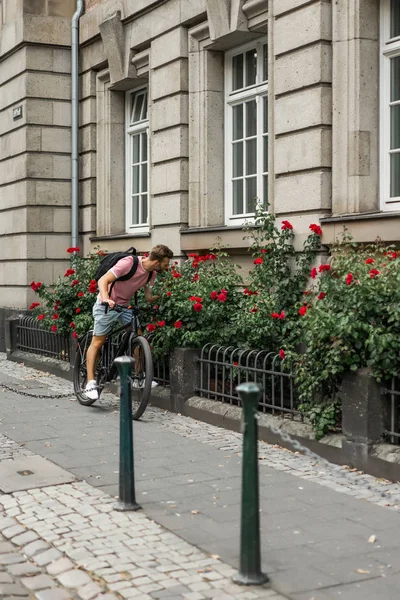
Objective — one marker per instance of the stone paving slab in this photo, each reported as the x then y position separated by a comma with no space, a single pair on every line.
188,480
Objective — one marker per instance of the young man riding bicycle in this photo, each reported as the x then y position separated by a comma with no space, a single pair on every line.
113,291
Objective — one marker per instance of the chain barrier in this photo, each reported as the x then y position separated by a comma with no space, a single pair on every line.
352,478
22,393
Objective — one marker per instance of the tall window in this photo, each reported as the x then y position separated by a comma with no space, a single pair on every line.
390,105
246,126
137,176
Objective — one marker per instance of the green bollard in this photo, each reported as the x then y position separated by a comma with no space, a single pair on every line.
127,499
250,554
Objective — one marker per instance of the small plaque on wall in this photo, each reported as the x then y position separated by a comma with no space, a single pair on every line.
17,113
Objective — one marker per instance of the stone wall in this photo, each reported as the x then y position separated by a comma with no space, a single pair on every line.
34,145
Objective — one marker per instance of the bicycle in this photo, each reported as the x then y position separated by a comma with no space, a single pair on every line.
125,340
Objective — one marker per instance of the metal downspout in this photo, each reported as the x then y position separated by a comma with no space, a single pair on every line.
75,124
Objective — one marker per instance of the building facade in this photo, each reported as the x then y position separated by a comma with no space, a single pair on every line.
190,111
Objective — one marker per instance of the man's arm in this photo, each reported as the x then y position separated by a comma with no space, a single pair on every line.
104,282
149,295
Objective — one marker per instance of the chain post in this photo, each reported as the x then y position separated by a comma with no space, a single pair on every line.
127,500
250,555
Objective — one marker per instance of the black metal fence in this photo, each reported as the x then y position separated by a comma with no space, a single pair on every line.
32,337
222,369
392,432
161,370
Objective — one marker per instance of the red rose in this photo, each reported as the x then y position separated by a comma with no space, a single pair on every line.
193,255
254,310
80,294
282,315
72,325
313,273
196,278
349,279
54,328
214,295
211,257
160,323
78,310
72,250
178,324
282,354
55,316
275,315
286,225
302,311
101,253
36,286
235,363
193,298
75,282
373,273
316,229
75,335
258,261
176,275
321,296
34,305
391,255
151,327
323,268
69,272
169,294
40,317
222,297
197,307
369,261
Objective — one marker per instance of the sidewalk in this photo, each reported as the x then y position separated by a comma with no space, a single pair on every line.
316,526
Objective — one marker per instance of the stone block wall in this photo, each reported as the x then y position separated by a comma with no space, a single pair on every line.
35,146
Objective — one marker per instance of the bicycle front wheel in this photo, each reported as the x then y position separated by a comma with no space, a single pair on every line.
142,374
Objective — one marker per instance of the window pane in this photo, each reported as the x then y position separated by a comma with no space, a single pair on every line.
395,79
265,63
251,157
251,194
265,113
251,67
395,175
238,122
144,106
135,180
395,127
237,159
144,178
137,113
135,210
265,194
144,208
238,197
251,118
394,18
265,161
144,146
237,69
135,149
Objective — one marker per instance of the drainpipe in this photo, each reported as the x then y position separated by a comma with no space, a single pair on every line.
75,123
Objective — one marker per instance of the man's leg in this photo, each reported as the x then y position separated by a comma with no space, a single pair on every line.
92,355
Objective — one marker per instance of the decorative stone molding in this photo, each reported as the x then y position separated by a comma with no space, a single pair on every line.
256,12
141,63
110,157
113,37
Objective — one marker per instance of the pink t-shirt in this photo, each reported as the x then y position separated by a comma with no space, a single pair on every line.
123,291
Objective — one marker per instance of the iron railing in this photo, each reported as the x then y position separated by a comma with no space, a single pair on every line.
222,369
392,433
32,337
161,370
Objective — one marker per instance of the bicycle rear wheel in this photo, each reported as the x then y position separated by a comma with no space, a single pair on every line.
142,374
80,370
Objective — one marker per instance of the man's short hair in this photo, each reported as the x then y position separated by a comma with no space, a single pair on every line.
159,252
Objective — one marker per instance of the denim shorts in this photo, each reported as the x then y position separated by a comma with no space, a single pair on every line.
103,323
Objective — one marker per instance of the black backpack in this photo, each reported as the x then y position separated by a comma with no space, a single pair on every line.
111,259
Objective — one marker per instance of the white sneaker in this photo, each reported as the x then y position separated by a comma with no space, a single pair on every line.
136,384
91,390
154,384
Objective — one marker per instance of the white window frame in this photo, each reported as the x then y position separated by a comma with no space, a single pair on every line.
255,92
389,48
130,130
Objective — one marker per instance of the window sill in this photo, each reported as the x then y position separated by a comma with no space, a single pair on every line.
361,217
120,236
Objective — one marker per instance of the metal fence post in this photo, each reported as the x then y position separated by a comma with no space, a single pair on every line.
127,500
250,554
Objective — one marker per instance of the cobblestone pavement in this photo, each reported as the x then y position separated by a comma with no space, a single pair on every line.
317,543
270,455
66,541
